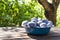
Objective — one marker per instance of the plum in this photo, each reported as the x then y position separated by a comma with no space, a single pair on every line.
43,25
31,24
24,23
39,19
38,23
45,21
37,26
49,24
34,19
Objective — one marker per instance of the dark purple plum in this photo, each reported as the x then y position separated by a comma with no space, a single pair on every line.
45,21
31,24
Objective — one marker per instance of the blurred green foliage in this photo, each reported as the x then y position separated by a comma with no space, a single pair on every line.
58,17
13,12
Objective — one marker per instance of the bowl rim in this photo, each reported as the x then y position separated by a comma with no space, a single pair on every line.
41,28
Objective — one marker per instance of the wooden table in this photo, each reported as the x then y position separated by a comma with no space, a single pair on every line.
21,34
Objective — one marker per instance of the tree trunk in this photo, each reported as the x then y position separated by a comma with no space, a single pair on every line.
51,16
50,9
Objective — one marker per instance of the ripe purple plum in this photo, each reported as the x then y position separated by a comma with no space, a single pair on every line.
24,23
43,25
34,19
49,24
31,24
39,19
45,21
39,22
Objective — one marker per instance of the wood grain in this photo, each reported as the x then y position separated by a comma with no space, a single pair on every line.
54,34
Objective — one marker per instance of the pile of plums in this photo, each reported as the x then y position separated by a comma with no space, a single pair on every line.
37,23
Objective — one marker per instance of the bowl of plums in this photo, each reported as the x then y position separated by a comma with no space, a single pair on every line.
37,26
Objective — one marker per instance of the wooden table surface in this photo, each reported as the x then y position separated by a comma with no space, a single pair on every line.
20,34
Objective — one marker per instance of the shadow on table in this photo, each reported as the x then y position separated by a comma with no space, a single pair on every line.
50,36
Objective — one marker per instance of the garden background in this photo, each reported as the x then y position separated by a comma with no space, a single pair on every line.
13,12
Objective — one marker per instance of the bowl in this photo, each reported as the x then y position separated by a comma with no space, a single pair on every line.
37,31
